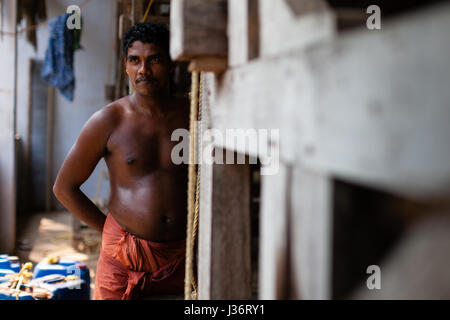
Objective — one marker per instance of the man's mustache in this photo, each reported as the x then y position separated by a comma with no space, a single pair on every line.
146,78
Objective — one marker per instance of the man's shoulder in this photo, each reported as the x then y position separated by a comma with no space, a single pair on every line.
117,107
113,111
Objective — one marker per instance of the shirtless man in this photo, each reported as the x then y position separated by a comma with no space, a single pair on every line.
143,236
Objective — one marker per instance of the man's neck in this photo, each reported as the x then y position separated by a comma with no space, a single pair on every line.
152,104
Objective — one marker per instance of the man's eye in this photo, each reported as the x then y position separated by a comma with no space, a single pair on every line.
133,59
155,60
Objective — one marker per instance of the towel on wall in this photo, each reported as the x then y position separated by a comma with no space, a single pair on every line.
58,70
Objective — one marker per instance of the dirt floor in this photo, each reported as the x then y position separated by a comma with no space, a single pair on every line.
50,234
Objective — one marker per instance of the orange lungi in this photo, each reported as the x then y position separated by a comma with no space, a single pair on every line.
130,267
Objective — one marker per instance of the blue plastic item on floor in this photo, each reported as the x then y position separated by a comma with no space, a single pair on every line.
65,267
61,289
8,265
53,279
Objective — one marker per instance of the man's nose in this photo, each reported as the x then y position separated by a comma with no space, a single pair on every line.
144,69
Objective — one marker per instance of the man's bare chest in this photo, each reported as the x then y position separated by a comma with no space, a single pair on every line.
143,144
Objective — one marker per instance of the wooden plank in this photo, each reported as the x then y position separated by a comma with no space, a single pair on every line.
292,24
206,185
273,243
137,10
198,28
354,107
208,64
205,262
311,234
224,267
125,23
243,31
230,243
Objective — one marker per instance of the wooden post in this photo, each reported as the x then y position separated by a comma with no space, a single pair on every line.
224,270
205,233
231,270
136,11
311,231
224,266
273,243
206,183
243,44
198,29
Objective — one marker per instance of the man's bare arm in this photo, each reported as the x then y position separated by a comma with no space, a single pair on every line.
79,164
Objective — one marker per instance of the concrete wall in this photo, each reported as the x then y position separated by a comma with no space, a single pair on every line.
7,163
94,67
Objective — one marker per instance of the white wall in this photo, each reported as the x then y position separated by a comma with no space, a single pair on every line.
94,67
7,165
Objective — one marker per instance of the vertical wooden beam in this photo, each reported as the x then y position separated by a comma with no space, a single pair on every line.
137,11
198,28
311,236
205,233
273,243
230,243
243,31
224,266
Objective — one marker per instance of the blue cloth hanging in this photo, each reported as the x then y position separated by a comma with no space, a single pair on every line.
58,65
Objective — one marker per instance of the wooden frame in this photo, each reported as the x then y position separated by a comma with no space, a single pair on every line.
348,106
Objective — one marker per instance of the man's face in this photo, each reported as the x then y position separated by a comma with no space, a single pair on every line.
148,67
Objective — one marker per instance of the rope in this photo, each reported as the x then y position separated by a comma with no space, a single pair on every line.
190,282
35,26
147,11
194,294
197,187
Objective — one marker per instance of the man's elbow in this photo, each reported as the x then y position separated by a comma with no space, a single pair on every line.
61,191
57,190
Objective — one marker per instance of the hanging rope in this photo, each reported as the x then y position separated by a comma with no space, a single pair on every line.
190,288
194,294
197,187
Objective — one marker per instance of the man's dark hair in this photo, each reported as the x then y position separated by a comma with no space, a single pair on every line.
147,33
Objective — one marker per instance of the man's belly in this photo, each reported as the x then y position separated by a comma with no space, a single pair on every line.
153,208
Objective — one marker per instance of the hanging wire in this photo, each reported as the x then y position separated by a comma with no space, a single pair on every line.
147,11
35,26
